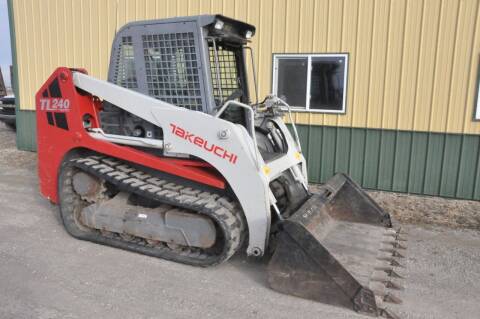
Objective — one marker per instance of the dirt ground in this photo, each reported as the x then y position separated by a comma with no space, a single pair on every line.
45,273
430,211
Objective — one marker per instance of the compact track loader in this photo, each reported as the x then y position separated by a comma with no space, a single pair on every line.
171,158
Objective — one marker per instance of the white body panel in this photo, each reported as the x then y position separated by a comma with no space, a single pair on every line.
246,176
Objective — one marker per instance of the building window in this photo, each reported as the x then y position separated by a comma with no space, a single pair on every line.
311,82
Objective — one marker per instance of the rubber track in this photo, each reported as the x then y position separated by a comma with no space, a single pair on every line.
226,213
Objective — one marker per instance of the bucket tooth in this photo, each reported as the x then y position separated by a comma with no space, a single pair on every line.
391,233
393,252
383,293
392,261
388,314
392,242
400,238
397,245
389,242
396,237
387,282
393,285
379,275
338,248
378,288
388,297
390,272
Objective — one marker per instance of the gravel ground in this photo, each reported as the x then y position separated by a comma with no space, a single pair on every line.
9,155
44,273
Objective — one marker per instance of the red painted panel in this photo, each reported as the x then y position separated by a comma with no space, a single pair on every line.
60,130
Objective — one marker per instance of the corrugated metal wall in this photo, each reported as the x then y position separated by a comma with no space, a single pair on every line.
413,63
402,161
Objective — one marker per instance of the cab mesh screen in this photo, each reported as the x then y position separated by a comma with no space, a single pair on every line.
227,80
171,68
124,74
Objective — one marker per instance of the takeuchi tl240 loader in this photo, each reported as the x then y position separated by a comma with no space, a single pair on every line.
172,159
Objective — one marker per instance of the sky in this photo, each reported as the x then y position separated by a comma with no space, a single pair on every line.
5,51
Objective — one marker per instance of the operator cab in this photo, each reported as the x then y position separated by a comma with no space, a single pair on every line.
164,59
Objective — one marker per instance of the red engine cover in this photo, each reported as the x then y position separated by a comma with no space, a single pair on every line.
61,110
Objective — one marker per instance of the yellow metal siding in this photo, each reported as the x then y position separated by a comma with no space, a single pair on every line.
412,63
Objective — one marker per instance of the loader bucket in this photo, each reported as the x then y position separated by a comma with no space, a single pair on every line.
339,248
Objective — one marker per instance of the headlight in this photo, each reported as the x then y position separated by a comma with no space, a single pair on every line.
219,25
248,34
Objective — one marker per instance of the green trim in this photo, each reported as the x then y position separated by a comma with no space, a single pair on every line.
26,120
439,164
21,142
26,130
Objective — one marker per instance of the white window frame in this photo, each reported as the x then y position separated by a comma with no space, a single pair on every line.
277,56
